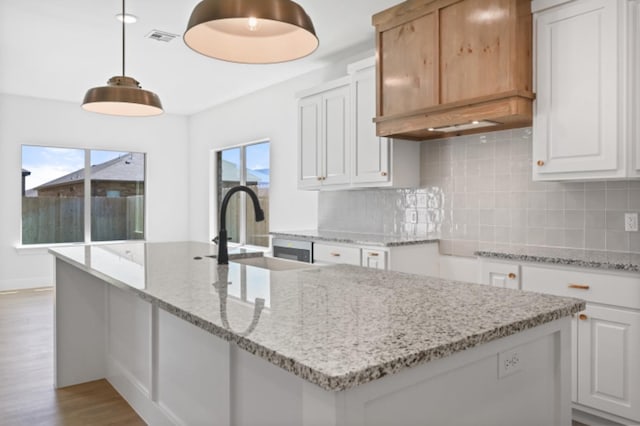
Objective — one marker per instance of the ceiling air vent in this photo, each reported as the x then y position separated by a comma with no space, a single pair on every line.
161,36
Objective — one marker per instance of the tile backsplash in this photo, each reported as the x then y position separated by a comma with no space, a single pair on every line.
476,192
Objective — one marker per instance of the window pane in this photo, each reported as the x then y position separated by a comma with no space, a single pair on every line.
52,195
228,177
117,195
257,178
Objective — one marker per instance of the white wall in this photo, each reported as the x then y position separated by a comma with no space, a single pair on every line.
267,114
44,122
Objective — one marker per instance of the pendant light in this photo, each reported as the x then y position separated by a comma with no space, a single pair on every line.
122,95
251,31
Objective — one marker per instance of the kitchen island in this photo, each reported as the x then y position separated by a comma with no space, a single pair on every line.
187,341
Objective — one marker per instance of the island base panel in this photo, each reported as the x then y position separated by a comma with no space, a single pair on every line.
194,377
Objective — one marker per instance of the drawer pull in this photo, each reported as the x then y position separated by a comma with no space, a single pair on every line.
373,254
383,173
540,163
334,254
579,286
583,317
512,276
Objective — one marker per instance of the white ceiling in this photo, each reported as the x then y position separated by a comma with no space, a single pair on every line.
57,49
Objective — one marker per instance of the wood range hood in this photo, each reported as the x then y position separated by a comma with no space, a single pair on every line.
453,67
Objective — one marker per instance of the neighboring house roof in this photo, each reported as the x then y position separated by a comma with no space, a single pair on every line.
127,167
231,173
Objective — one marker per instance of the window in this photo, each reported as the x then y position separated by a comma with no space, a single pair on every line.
245,165
81,195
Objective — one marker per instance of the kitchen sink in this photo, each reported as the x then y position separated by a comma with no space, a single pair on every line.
273,264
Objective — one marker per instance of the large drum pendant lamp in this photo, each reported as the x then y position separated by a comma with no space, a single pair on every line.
251,31
122,95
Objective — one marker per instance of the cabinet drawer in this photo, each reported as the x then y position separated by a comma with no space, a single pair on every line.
610,289
336,254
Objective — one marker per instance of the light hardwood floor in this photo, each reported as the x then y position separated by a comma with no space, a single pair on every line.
27,395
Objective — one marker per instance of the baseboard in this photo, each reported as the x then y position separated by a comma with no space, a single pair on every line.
136,396
25,283
592,417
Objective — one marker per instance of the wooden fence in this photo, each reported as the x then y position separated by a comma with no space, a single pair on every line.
257,232
61,219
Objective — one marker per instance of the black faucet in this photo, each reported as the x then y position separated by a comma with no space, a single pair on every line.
223,254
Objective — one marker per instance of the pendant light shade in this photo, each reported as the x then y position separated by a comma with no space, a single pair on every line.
122,95
251,31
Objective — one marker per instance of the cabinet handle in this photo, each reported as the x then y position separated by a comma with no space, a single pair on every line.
383,173
512,276
583,317
319,177
579,286
373,254
334,254
540,163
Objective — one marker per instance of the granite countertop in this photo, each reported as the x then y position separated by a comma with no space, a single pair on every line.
336,326
357,238
572,257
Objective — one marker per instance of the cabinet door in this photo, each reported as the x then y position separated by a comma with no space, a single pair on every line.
608,354
576,113
309,142
335,136
409,82
574,358
633,16
376,259
477,55
505,275
370,152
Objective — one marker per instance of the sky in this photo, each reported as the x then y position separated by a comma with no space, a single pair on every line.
47,164
257,156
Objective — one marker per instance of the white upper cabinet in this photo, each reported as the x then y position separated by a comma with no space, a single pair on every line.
370,152
335,136
323,137
577,129
633,79
337,142
309,148
586,109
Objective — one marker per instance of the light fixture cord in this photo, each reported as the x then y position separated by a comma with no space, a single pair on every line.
123,37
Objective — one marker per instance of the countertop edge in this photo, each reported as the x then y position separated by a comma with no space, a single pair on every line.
346,240
609,266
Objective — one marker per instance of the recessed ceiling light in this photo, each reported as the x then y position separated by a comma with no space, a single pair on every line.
127,18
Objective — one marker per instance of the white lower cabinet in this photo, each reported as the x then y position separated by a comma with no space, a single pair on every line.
608,354
421,259
376,259
498,274
330,253
606,336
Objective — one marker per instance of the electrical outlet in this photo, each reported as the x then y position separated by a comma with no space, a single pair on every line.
509,362
631,222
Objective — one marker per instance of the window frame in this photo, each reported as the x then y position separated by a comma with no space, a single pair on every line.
86,201
215,193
